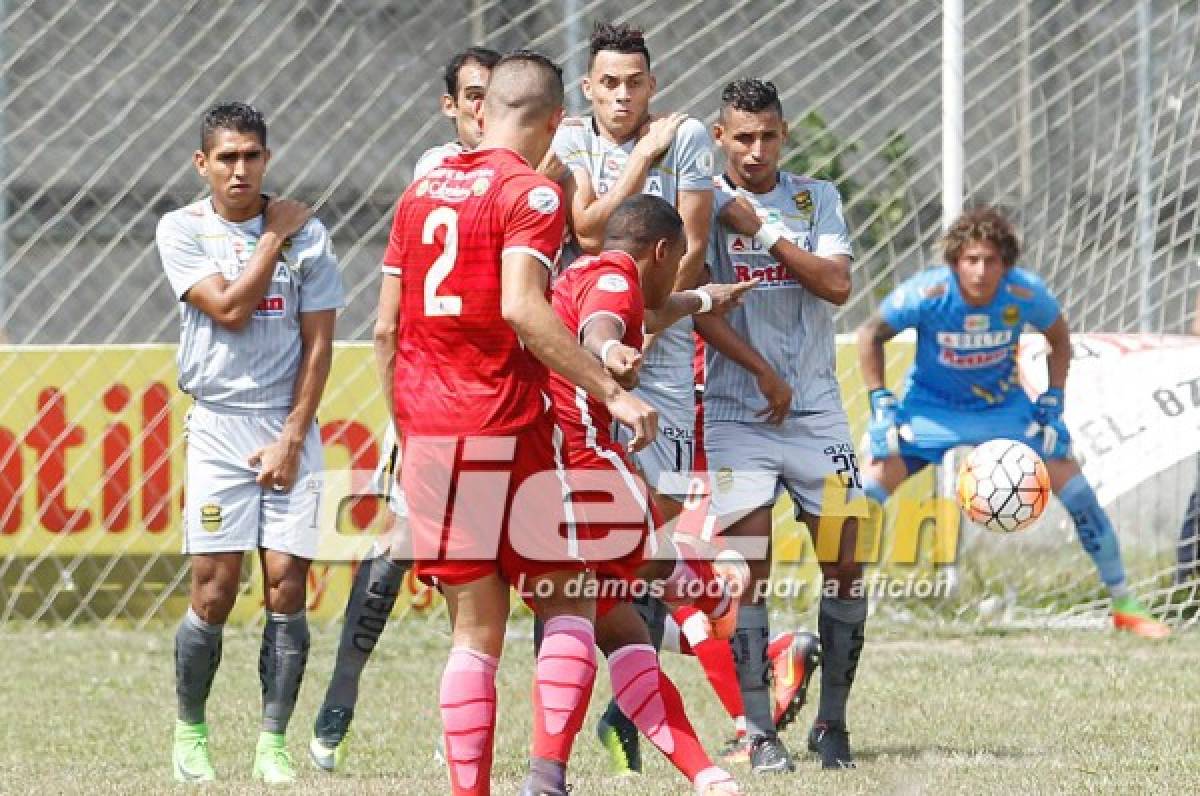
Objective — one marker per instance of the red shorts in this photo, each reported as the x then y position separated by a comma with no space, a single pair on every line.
484,505
611,521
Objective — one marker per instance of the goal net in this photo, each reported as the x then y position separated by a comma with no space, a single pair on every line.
1089,142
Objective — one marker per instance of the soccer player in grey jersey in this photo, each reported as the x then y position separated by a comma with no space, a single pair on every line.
378,580
788,231
259,288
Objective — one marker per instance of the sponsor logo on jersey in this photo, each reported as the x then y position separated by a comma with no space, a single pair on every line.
453,185
543,199
612,283
980,359
744,244
210,517
676,432
611,167
976,323
270,307
804,204
1020,292
772,276
1011,315
653,186
480,186
974,340
934,291
283,273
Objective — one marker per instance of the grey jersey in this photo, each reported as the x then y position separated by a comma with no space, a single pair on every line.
687,165
256,367
789,326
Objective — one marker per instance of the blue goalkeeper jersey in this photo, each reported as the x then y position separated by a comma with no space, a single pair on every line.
966,356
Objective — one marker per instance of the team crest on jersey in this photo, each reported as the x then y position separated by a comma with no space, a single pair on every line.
210,517
1011,315
543,199
804,204
480,186
976,323
725,479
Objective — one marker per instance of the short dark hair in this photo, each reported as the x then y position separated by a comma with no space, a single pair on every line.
983,224
752,96
641,221
236,116
480,55
617,38
535,85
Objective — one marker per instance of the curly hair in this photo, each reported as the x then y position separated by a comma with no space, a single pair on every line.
981,224
619,39
236,116
751,95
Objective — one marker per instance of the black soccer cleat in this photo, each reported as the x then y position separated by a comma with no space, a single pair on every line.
830,741
768,755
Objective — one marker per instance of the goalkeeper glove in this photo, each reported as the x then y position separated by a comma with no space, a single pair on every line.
1055,440
882,432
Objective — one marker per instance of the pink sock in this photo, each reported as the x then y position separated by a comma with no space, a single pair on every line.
468,701
652,703
562,688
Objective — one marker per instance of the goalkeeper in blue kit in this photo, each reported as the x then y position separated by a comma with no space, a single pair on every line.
963,388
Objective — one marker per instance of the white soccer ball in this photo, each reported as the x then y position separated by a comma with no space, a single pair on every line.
1003,486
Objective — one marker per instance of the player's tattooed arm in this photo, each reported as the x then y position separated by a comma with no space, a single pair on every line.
386,322
231,303
601,337
588,213
826,277
717,332
1058,361
524,307
870,339
279,462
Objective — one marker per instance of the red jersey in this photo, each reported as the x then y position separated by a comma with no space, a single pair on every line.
460,368
605,285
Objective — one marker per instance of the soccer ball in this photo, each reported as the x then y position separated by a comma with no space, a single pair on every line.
1003,486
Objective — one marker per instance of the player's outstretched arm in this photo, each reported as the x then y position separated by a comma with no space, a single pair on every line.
589,212
717,332
279,461
386,321
826,277
231,303
523,305
712,298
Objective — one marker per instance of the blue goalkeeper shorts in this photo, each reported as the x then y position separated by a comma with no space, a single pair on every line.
936,428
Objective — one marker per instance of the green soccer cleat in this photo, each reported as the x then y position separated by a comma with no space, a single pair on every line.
1131,616
624,751
189,757
328,745
272,763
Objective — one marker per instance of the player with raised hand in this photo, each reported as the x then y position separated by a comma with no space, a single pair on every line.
964,388
259,289
378,580
788,231
473,244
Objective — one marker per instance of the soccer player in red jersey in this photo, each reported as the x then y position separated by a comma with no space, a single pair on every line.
473,243
608,300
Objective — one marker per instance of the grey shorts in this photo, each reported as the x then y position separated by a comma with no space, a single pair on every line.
668,462
811,456
225,509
